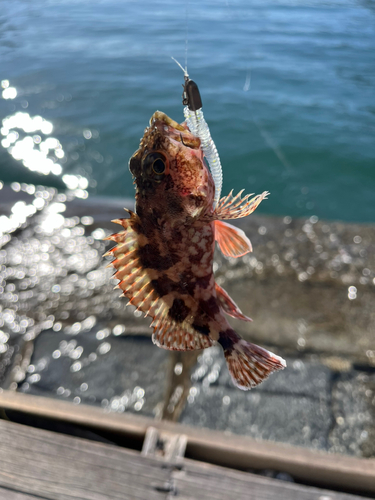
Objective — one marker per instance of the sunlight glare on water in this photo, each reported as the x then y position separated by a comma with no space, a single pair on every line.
38,155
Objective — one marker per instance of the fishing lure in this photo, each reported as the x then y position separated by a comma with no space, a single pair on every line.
193,114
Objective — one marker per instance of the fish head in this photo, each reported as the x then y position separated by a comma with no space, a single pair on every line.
170,172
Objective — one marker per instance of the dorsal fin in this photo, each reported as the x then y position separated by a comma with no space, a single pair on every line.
133,279
228,305
235,207
232,241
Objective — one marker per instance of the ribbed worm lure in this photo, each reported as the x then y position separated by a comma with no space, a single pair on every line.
193,113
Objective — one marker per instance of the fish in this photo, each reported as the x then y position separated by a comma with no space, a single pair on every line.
164,254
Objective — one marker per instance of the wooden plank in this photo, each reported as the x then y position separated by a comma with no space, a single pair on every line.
209,446
6,494
206,482
60,467
52,466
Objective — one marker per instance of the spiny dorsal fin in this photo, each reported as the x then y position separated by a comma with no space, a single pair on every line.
235,207
232,241
133,279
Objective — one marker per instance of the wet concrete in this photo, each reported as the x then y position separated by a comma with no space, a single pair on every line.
309,287
307,404
87,368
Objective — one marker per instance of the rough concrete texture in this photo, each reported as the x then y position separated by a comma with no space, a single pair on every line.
94,369
353,408
292,406
307,285
307,404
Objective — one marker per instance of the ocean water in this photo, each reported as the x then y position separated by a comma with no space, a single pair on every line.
287,88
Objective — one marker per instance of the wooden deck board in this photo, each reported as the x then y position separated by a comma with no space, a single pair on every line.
6,494
207,482
65,468
241,452
42,464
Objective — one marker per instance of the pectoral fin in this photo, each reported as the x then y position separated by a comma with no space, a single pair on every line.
228,305
232,241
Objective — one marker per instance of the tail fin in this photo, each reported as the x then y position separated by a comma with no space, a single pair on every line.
249,364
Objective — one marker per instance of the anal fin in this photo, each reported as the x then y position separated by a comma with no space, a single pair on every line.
176,336
228,305
180,338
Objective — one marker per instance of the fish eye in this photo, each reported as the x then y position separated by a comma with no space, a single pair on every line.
158,166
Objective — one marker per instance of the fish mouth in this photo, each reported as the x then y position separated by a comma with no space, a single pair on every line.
173,130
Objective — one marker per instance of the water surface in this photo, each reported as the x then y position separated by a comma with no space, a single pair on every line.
303,130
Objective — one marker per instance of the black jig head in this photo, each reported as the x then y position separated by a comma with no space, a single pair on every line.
190,95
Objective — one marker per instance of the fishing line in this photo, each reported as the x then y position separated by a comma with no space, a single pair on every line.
308,202
186,41
186,33
272,144
247,85
268,139
184,70
196,123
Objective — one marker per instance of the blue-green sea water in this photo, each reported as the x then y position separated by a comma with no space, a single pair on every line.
287,87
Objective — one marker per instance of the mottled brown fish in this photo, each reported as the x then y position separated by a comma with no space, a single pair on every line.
164,255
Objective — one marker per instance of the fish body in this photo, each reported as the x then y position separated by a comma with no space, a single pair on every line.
164,254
